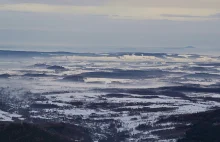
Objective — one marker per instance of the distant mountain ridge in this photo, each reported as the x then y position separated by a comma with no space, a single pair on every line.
190,47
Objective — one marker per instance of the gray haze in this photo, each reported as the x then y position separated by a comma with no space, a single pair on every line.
88,26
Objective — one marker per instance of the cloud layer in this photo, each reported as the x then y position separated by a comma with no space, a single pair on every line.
58,2
118,11
110,23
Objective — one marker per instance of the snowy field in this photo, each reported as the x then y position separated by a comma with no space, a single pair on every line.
120,94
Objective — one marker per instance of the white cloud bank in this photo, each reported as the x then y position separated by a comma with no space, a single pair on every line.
126,11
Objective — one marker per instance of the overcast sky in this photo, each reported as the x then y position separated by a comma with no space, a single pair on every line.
112,24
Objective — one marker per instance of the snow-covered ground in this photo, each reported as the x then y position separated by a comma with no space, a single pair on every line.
126,90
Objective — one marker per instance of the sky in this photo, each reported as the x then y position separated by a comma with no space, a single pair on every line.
109,25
